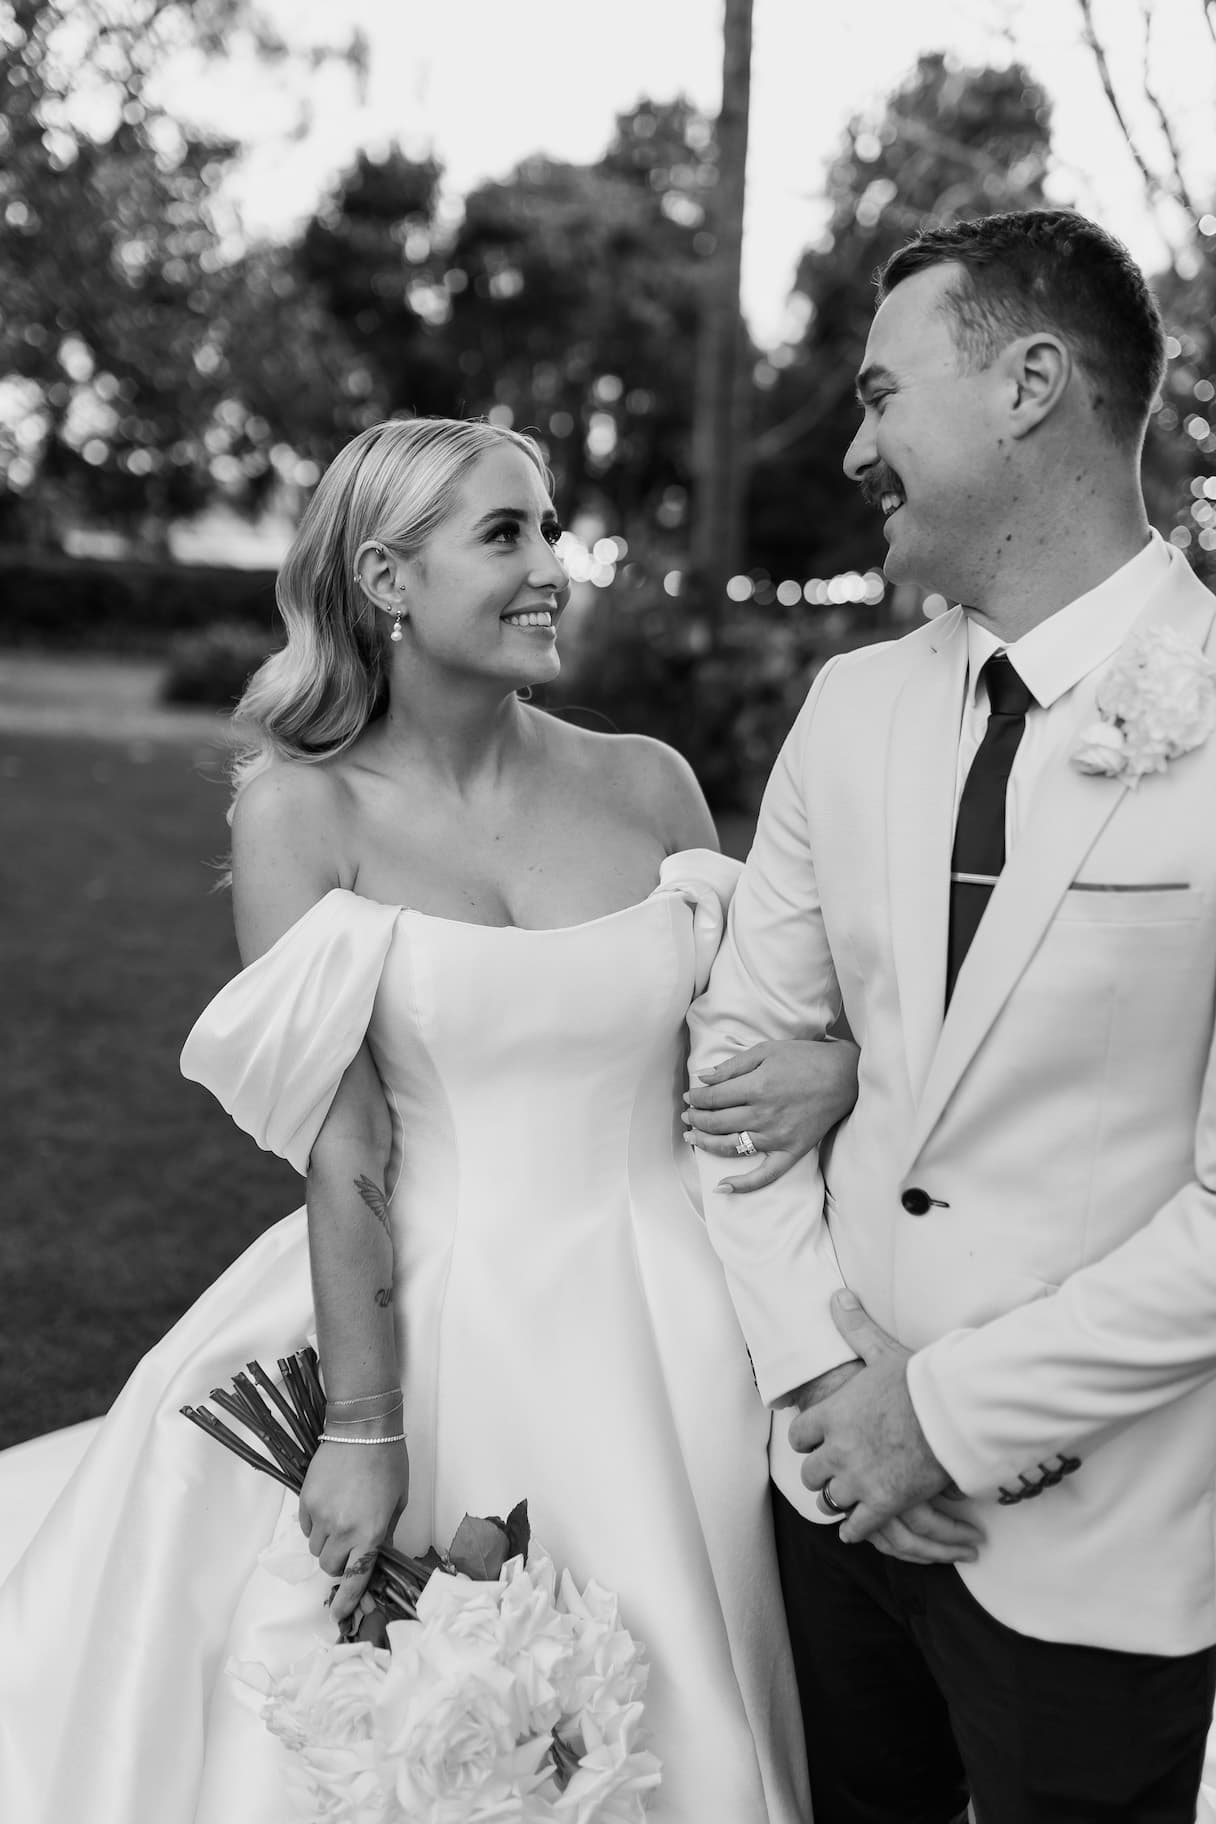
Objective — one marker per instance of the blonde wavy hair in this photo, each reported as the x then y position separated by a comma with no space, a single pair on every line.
391,485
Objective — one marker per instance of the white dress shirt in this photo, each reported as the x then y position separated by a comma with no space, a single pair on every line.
1052,660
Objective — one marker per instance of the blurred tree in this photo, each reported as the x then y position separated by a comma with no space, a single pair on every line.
1180,455
115,276
370,256
563,300
295,386
949,143
720,423
574,306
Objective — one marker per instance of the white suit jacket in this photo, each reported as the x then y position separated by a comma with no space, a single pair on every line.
1059,1293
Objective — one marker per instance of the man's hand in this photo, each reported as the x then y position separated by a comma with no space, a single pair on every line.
928,1533
863,1436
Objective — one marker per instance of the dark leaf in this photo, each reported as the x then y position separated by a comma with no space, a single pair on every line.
479,1548
373,1628
519,1532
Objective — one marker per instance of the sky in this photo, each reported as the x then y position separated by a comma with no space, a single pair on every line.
480,84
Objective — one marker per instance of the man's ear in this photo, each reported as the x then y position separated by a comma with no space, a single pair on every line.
1035,372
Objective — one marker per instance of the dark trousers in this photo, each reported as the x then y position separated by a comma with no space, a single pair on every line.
915,1699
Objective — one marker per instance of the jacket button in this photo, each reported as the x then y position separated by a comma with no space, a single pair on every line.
916,1201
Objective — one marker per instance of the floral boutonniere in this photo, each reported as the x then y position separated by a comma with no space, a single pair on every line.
1157,701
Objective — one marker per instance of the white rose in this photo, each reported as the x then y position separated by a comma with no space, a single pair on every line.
446,1725
614,1777
326,1698
1100,749
1162,692
607,1669
322,1709
535,1644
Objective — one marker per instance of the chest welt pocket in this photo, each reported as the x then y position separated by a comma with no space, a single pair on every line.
1129,903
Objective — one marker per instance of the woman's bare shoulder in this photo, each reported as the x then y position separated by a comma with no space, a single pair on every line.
288,848
288,798
654,780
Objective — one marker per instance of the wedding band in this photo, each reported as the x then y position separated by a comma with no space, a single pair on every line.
830,1506
745,1146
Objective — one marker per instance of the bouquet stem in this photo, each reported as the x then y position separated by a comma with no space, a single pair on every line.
288,1426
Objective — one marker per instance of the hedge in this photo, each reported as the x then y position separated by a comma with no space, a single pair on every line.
129,606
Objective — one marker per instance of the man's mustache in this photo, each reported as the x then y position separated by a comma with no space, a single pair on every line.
879,481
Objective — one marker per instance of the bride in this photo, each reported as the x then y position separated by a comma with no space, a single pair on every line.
470,933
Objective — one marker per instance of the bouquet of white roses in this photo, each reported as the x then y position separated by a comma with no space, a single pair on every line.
503,1692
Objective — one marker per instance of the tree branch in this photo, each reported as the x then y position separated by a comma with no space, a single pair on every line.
1181,189
1152,182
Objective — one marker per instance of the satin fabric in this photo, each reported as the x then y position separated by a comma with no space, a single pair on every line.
566,1336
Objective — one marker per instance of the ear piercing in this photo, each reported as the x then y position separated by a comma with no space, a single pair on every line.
379,550
395,635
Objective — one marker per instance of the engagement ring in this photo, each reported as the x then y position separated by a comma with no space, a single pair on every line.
745,1146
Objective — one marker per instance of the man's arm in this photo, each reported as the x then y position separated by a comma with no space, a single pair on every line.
1122,1336
774,979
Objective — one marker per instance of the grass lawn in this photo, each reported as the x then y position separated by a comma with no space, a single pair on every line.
127,1190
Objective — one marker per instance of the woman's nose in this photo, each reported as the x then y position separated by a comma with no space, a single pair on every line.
548,570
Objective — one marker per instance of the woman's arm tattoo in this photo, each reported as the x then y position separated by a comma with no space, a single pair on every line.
373,1196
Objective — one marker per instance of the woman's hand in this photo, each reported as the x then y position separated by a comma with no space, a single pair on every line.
352,1498
784,1094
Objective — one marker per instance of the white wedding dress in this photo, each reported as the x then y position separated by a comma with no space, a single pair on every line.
566,1336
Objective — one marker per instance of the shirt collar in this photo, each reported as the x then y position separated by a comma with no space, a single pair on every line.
1068,645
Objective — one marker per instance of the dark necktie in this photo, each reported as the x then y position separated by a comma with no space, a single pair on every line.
979,835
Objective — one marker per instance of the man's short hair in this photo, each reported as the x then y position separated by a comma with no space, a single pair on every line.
1050,269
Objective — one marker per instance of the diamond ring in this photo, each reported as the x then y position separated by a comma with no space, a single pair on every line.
745,1146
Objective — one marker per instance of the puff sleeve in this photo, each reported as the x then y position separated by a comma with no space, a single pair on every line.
273,1045
706,881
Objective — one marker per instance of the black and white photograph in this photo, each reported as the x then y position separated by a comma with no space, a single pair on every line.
608,912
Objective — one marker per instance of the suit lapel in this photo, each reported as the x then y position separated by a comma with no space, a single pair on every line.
1073,810
1067,815
922,760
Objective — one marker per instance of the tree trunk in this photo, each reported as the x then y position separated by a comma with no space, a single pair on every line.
720,419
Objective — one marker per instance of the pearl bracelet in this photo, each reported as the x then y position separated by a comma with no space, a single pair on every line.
398,1437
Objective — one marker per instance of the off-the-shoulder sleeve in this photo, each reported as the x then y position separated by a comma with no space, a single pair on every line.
705,880
273,1045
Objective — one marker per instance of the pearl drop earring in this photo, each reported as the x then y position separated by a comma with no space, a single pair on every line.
396,634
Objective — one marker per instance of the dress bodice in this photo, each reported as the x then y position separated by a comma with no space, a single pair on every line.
510,1029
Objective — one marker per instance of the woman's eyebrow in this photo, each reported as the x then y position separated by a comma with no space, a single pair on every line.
518,514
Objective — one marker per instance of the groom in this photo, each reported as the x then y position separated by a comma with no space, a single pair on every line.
994,841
